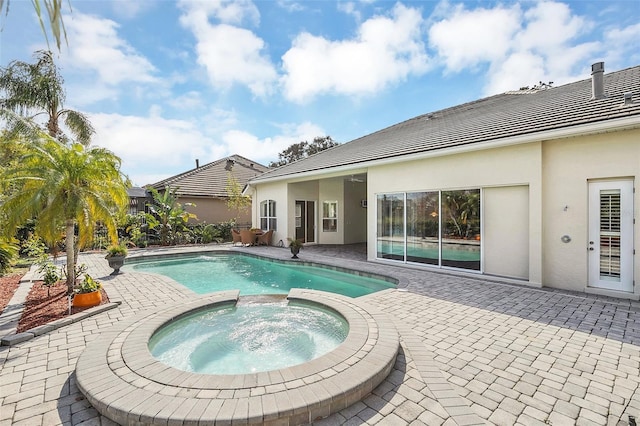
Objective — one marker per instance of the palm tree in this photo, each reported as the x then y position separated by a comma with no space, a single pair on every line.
54,12
65,186
167,216
36,89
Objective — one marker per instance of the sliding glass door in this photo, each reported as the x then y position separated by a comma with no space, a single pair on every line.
436,228
461,229
423,230
390,239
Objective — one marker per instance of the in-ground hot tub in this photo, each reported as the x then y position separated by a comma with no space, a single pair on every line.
123,381
261,334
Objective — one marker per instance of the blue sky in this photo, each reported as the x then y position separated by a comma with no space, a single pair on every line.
167,82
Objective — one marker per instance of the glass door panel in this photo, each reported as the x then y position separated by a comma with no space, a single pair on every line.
461,229
390,239
423,212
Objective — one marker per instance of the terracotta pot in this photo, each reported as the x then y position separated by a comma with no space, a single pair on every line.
84,300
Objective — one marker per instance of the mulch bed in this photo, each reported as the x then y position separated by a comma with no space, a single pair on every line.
8,286
41,308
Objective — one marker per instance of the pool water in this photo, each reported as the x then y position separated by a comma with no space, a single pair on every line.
248,338
253,276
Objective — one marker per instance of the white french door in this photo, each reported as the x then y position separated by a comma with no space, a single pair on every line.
610,246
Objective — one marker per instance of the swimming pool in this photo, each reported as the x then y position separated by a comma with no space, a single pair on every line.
253,276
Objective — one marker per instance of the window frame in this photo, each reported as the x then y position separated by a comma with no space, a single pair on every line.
330,216
268,218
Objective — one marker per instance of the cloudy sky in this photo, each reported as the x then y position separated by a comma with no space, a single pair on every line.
167,82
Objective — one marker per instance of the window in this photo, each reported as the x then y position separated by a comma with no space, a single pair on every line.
330,216
438,228
268,215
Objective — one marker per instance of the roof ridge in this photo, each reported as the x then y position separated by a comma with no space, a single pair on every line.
190,172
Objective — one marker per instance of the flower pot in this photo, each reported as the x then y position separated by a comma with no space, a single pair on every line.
294,252
85,300
116,263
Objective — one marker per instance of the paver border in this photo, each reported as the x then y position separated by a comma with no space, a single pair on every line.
121,379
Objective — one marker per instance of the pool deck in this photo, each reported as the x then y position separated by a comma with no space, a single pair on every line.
473,350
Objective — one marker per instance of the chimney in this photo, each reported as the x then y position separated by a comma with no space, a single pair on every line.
197,163
597,80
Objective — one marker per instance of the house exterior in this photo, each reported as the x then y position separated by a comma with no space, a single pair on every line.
138,199
205,188
536,186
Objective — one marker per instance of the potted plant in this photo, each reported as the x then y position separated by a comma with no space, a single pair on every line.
116,254
87,293
295,245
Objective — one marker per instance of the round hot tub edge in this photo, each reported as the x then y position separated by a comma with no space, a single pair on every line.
121,379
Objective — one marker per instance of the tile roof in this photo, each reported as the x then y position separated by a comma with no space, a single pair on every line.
493,118
210,180
136,192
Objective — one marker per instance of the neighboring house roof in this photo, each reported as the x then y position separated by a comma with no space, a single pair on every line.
497,117
210,180
136,192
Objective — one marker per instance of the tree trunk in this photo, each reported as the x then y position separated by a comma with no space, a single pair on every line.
71,259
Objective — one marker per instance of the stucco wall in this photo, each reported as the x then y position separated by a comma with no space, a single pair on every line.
331,190
213,210
301,191
568,167
509,166
278,193
355,216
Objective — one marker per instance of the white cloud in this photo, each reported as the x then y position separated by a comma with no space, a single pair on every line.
153,148
267,149
191,100
519,46
469,37
622,45
94,45
290,5
233,12
386,50
230,54
131,9
151,145
349,8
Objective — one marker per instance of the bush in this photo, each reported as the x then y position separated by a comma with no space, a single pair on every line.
88,285
50,275
8,254
117,250
225,228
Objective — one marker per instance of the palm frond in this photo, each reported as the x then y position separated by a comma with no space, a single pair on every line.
54,12
79,125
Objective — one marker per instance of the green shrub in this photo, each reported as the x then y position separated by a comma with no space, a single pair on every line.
88,285
8,254
50,275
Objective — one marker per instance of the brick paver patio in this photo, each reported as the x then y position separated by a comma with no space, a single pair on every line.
473,351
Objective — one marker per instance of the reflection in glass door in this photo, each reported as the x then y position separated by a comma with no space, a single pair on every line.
440,228
423,228
390,239
305,220
461,229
